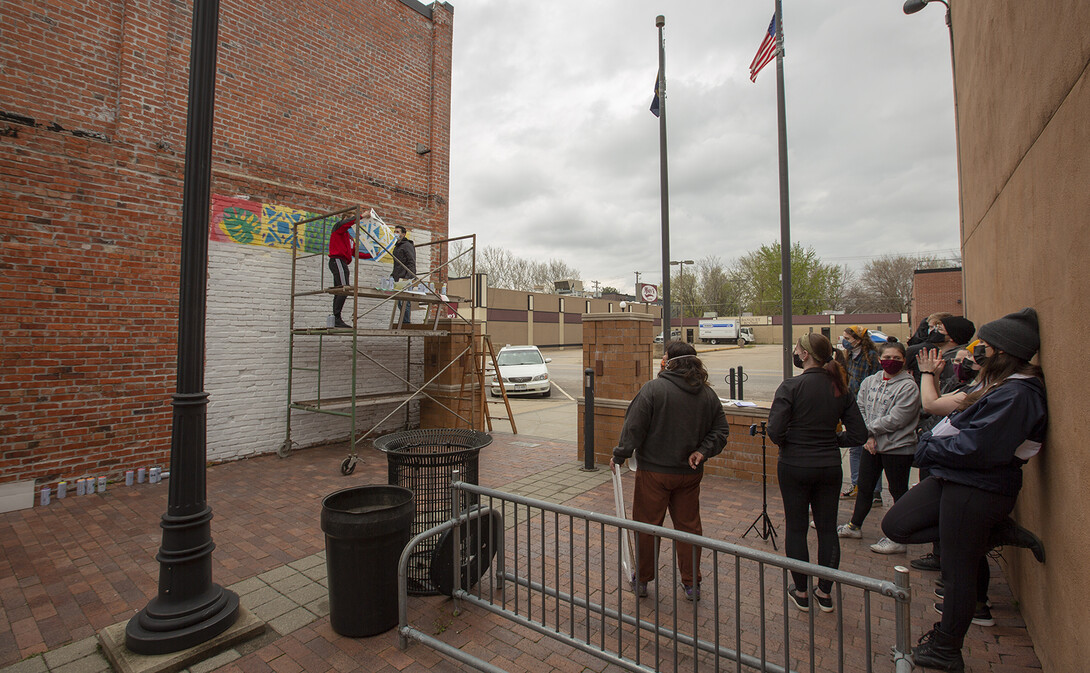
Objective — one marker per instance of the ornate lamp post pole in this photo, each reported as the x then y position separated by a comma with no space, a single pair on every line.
190,609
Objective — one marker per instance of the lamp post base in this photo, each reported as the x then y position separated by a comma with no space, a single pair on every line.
162,629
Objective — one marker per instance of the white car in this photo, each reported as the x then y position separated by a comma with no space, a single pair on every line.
523,371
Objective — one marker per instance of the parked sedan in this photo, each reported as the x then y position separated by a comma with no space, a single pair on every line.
523,371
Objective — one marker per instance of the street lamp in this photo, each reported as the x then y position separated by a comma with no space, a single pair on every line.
911,7
681,277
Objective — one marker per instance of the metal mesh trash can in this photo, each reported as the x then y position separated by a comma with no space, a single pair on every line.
424,461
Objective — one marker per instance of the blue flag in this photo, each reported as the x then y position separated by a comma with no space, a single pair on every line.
655,100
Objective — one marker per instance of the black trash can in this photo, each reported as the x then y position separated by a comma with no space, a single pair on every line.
424,461
366,528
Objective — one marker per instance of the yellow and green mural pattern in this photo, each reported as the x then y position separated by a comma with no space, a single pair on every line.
254,223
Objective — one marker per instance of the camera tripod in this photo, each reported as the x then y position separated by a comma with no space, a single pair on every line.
762,525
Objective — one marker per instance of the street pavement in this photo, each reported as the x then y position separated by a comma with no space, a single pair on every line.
79,565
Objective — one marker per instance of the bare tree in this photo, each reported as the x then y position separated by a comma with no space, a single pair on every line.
515,273
461,260
884,285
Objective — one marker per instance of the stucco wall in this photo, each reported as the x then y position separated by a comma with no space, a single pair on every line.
1024,99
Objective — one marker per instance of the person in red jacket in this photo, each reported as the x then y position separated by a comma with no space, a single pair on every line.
342,247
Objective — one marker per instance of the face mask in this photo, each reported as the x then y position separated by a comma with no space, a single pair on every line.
797,360
846,344
892,367
936,337
963,372
980,355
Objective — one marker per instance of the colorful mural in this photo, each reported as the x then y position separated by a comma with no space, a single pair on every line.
255,223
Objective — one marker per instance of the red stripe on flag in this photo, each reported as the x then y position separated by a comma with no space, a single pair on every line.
765,53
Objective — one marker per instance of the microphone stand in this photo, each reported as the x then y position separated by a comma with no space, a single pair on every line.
766,529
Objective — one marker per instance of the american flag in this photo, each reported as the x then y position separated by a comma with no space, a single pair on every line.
765,53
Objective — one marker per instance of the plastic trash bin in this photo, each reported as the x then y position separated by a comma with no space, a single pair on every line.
424,461
366,528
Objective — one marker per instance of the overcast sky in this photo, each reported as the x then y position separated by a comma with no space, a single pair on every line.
555,154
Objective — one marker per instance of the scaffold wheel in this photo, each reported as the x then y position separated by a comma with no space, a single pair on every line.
349,465
284,450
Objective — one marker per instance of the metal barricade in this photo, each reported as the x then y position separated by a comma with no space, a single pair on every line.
558,573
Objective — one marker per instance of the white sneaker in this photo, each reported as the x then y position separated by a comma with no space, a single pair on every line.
888,546
846,530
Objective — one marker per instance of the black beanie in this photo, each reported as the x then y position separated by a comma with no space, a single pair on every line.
1015,333
960,330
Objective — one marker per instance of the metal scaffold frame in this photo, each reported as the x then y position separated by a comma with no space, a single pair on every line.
431,296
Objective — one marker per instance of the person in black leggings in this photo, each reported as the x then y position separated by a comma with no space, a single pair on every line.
802,422
975,457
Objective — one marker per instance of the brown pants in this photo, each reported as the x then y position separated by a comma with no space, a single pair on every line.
654,494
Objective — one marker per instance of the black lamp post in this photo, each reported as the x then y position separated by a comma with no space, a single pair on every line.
190,609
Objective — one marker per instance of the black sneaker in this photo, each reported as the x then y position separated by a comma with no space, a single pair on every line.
825,603
341,324
926,562
982,616
801,600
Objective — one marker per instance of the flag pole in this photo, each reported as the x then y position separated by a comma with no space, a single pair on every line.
785,203
664,189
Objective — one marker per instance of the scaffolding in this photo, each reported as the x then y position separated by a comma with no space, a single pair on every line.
426,288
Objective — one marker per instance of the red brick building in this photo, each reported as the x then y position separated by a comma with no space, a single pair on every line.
935,290
319,106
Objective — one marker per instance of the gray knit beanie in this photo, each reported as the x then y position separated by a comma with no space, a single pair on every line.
1015,333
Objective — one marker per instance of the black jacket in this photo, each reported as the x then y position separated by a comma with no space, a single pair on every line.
991,440
669,419
405,251
803,419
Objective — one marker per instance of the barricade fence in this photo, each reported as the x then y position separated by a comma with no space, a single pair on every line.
562,572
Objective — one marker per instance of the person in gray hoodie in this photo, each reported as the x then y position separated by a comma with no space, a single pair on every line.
673,425
890,403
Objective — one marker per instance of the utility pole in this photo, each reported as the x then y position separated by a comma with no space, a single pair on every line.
636,287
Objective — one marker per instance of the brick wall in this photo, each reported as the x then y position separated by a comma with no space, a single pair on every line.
318,106
617,346
935,290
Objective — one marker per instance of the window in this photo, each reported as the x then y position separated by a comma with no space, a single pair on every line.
561,304
529,302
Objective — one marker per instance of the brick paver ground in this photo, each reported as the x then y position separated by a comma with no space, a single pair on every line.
83,563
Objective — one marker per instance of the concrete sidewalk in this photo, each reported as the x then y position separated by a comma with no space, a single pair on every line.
81,564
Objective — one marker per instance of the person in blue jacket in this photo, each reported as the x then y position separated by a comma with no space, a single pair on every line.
975,457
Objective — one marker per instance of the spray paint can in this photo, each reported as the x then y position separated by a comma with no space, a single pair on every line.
62,489
128,477
102,484
44,499
140,475
154,476
81,487
90,485
330,321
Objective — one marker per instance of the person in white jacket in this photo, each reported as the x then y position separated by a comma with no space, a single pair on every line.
890,403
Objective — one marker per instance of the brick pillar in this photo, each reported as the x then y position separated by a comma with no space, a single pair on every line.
617,346
449,389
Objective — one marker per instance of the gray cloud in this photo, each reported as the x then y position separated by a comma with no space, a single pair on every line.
554,152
